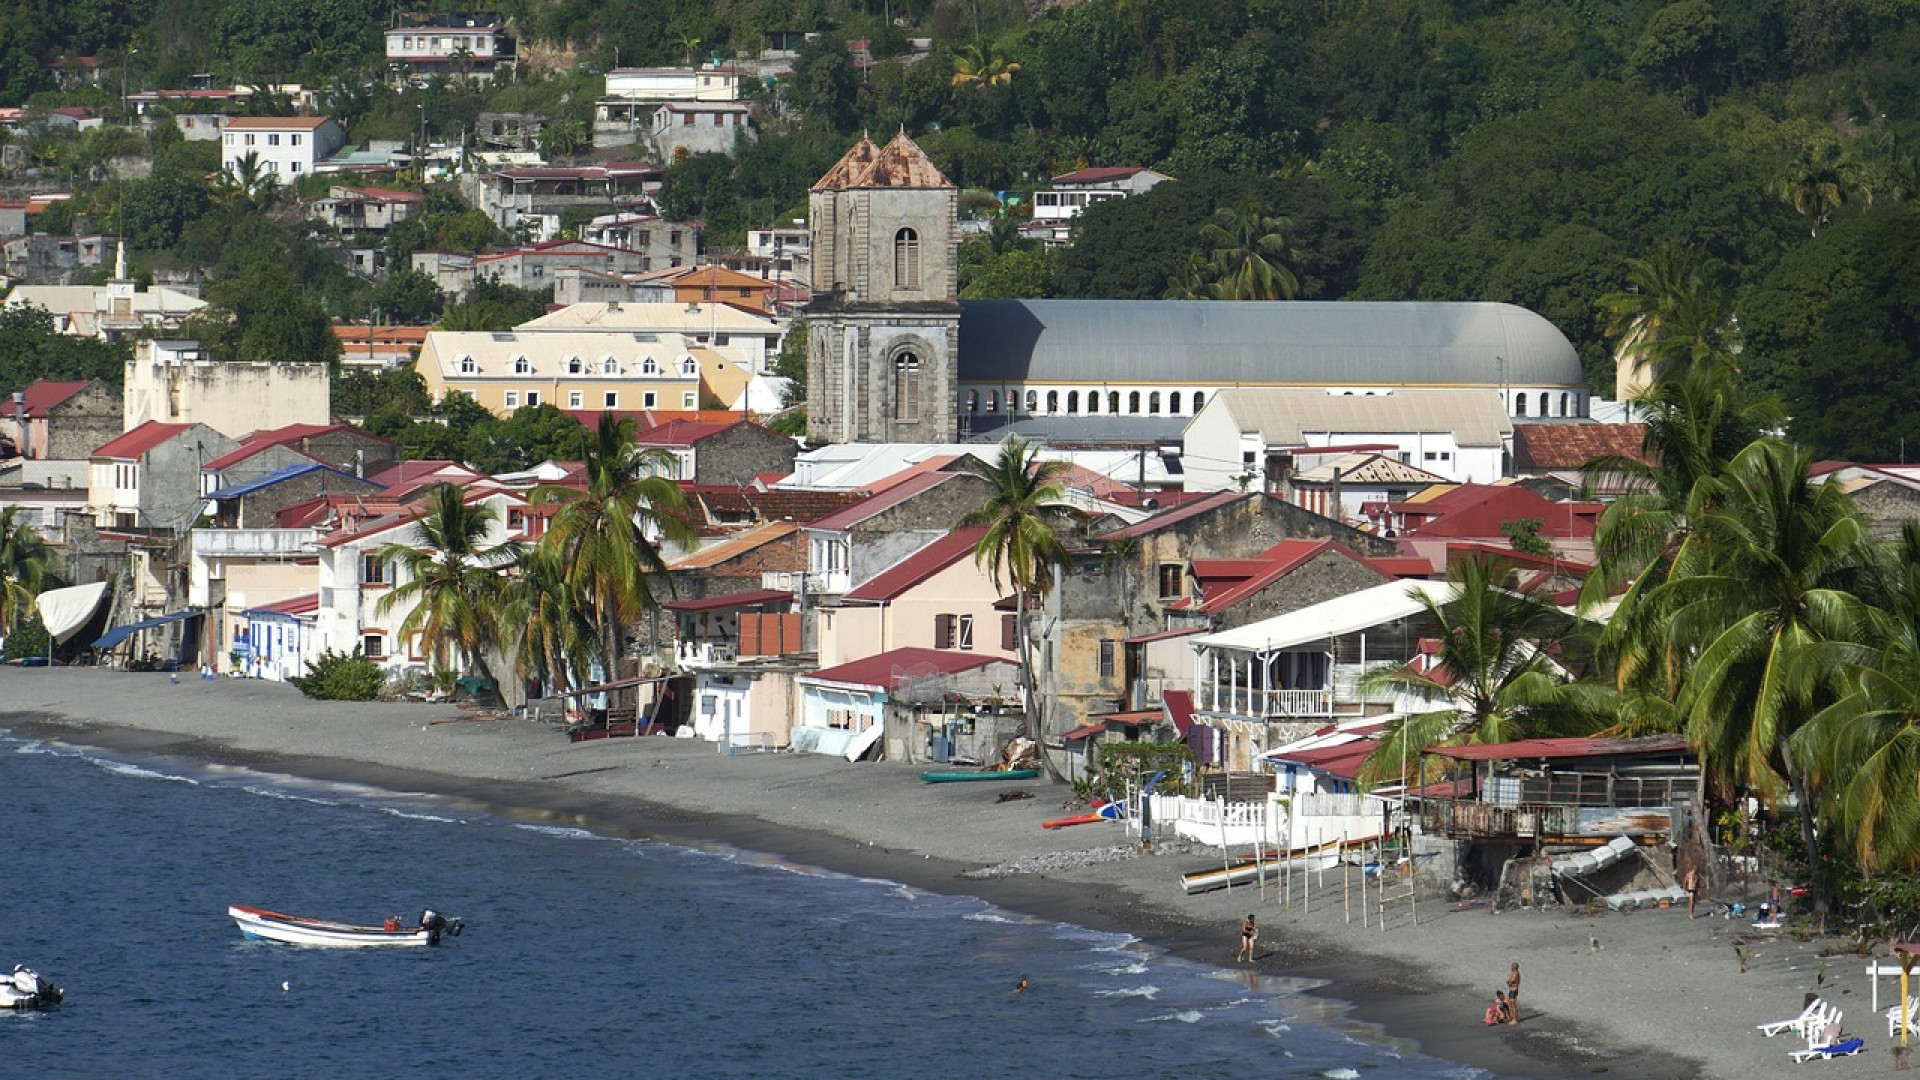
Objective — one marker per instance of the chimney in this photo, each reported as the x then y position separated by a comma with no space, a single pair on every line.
20,421
1333,498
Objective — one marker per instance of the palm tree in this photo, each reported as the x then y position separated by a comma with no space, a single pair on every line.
1765,573
1246,252
1025,515
603,532
1492,680
1863,751
982,68
1821,179
26,566
555,639
1674,315
453,585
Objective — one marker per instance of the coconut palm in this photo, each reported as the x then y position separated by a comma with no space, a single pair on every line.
1766,571
1674,315
26,566
451,579
1862,752
603,532
1492,680
555,639
1026,516
1821,179
982,68
1246,249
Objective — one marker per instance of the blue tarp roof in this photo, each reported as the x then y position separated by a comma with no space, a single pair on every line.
285,472
121,633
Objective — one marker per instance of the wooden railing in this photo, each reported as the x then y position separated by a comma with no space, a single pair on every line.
1460,819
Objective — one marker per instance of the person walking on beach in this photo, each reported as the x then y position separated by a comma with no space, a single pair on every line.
1249,934
1692,884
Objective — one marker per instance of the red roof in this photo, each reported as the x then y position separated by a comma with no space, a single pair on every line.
1085,731
1278,561
1585,747
752,598
1542,447
889,584
874,504
43,394
284,436
1179,705
1172,517
684,432
1478,510
299,605
137,442
1098,173
1342,760
1163,635
889,668
276,123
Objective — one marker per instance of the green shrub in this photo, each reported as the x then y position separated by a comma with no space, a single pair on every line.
29,640
342,677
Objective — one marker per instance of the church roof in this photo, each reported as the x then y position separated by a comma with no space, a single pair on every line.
1284,343
901,164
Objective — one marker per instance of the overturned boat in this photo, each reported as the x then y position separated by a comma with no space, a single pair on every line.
259,924
1323,856
25,989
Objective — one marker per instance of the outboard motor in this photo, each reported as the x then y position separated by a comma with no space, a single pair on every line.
433,923
28,981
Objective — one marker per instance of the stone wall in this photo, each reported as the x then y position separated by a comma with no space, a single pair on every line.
83,423
733,457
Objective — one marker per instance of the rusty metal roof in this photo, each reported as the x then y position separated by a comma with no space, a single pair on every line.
901,164
1549,749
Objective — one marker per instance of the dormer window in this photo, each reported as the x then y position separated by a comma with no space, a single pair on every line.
689,367
609,366
649,367
575,366
468,367
522,366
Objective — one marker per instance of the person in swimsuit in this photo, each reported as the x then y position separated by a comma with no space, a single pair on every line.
1248,935
1513,987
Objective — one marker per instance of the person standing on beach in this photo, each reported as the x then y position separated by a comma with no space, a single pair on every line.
1692,884
1513,986
1248,935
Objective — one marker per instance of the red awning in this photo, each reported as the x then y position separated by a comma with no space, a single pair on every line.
755,598
1142,716
1085,731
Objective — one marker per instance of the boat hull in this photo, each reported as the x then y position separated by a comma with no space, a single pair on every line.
1247,871
964,777
258,924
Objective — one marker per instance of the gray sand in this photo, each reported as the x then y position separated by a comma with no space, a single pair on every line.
1663,996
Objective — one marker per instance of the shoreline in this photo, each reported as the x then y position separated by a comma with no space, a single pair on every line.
1658,980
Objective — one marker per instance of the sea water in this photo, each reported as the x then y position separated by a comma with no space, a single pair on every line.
585,955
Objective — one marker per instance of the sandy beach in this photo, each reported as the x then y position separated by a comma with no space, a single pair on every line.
1661,996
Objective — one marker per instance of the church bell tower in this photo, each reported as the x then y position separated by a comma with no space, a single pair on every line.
883,326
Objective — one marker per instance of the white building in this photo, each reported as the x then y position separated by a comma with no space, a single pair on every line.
750,339
1461,435
285,147
1054,208
174,383
461,45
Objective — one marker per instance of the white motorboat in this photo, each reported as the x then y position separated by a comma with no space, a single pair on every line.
25,989
263,925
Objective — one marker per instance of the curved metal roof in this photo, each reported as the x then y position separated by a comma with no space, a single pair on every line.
1296,342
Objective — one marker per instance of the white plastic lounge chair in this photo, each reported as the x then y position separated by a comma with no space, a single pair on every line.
1843,1048
1812,1018
1913,1018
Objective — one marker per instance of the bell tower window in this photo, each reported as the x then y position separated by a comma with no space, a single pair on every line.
906,388
906,259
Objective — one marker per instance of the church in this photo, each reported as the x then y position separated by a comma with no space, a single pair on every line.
895,356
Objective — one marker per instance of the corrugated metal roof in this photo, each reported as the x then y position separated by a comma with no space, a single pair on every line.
1579,747
1288,416
892,496
267,480
134,443
734,546
889,584
901,164
750,598
1177,514
1332,618
886,669
1294,342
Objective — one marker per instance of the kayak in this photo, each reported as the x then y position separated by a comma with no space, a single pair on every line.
989,774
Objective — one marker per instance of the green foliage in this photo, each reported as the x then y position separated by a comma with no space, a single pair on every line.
494,306
263,315
1524,536
337,676
407,296
1121,763
531,435
30,349
31,639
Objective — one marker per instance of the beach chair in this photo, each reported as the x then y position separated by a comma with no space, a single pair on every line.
1844,1048
1812,1018
1913,1018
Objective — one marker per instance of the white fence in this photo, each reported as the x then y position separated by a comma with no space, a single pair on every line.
1280,822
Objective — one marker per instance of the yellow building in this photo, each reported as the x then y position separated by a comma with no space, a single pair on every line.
593,371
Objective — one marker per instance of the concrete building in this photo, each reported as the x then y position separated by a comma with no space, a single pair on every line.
680,130
112,311
1251,438
464,45
283,147
172,382
750,338
1054,208
357,212
62,420
850,547
939,597
149,478
600,371
536,198
625,114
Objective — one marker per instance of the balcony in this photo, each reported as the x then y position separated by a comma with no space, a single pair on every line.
698,654
252,543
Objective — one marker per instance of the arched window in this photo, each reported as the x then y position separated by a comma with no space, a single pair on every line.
1033,401
993,401
973,401
649,366
1199,400
1013,401
1519,404
1563,403
609,366
468,367
1543,404
1133,403
1073,402
906,387
1173,403
1093,402
906,259
689,367
1153,403
1053,402
574,366
522,366
1113,401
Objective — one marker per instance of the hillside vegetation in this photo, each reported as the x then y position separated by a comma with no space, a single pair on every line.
1378,149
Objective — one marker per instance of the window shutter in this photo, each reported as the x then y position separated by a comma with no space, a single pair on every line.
943,631
1009,633
966,631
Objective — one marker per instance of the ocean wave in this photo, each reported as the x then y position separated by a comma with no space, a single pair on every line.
1184,1016
1138,967
1342,1074
288,796
564,832
1147,992
121,768
415,815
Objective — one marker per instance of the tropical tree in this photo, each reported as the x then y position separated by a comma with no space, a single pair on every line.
1821,179
1491,681
452,581
1765,572
26,566
1246,250
603,532
981,68
554,638
1675,314
1026,516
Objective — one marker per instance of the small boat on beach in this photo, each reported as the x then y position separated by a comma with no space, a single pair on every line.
25,989
937,777
259,924
1323,856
